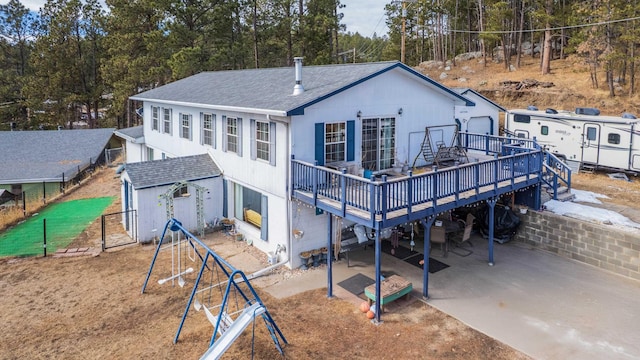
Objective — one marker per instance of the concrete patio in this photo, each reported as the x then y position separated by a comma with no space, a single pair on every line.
542,304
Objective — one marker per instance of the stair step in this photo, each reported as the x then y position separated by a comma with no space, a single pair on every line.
567,196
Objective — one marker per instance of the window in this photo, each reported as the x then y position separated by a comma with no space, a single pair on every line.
166,121
519,118
334,142
613,138
149,154
378,143
544,130
208,121
262,140
181,192
592,133
185,126
233,135
248,204
155,118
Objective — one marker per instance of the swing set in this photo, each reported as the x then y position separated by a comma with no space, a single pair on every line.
222,292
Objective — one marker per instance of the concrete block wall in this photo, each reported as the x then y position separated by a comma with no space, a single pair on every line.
599,245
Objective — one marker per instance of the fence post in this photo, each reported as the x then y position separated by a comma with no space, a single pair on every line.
24,203
44,232
44,192
104,236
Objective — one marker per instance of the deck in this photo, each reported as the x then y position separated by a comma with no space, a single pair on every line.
389,201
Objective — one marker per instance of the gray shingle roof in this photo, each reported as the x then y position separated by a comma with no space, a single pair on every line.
131,133
271,89
170,171
33,156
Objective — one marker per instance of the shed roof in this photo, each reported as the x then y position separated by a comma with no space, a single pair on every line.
34,156
134,134
270,90
164,172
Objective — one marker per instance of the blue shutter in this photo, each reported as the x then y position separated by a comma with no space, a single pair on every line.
272,145
264,212
225,198
252,136
320,143
201,128
223,131
351,135
239,136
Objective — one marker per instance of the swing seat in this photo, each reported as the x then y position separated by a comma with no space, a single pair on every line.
225,321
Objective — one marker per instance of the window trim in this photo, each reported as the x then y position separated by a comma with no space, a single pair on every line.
212,129
167,122
188,119
155,118
341,139
226,135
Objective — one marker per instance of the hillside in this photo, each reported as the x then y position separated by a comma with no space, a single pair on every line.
570,78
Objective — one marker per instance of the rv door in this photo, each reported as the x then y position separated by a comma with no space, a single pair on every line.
591,143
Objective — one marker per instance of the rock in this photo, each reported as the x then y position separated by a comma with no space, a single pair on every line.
443,76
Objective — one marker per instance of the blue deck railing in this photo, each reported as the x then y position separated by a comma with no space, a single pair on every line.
421,193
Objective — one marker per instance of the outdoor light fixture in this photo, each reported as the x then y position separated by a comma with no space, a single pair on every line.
400,111
359,114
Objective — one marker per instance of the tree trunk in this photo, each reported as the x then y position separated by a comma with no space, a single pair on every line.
546,51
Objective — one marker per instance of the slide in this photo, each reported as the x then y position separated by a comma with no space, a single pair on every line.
228,337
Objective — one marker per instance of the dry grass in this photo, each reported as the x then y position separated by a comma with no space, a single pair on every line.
572,85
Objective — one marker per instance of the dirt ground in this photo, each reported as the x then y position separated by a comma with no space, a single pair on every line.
91,307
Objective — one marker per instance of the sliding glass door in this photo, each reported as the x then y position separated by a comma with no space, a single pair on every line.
378,143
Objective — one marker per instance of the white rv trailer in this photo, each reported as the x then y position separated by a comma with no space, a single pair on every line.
583,138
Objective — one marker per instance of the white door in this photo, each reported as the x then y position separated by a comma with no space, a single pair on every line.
591,143
480,125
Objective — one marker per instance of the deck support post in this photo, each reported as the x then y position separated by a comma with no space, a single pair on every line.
492,206
378,307
329,255
426,223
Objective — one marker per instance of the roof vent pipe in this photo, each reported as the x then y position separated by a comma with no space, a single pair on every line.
298,88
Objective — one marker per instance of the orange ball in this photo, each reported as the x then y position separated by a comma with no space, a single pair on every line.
364,307
370,314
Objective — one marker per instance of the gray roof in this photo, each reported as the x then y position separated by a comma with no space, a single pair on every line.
34,156
264,90
170,171
132,134
464,91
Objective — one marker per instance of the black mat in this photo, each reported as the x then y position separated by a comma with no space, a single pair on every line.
356,283
399,252
434,265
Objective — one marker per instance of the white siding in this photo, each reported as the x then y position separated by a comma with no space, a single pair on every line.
382,96
468,115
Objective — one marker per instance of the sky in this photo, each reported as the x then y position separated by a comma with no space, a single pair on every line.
363,16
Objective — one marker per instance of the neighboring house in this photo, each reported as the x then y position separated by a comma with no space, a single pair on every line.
483,118
252,122
134,147
40,164
179,185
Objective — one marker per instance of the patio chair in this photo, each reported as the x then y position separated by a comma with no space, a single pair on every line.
463,238
439,236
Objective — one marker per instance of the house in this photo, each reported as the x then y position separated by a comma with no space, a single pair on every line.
182,187
41,164
357,116
483,118
309,151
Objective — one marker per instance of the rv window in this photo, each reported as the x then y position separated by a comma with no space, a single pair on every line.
544,130
522,118
614,138
591,133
